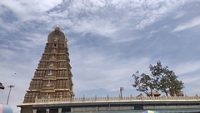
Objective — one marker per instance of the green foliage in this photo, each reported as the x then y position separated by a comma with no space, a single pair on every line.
160,79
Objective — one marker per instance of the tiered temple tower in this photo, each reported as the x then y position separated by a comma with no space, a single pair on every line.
52,78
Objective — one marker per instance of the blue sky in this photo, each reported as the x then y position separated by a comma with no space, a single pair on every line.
108,41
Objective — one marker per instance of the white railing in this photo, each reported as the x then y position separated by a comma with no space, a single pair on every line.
115,99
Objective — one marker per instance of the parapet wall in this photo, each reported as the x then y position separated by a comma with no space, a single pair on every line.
111,104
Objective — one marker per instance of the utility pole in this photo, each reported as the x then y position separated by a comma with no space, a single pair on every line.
10,88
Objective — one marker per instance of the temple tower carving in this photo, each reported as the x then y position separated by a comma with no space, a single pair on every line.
52,78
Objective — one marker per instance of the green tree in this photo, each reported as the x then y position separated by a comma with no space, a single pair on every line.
142,82
160,79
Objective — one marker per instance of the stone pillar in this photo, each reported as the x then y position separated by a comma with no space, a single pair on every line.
59,110
34,110
47,110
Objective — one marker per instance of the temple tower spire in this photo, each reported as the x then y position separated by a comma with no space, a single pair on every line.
52,78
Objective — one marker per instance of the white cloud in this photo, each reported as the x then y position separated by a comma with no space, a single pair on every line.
90,16
187,67
179,14
155,10
6,53
101,27
191,79
110,18
10,27
34,40
94,69
191,83
188,25
29,10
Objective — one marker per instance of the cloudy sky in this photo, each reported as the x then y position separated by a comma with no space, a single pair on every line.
108,41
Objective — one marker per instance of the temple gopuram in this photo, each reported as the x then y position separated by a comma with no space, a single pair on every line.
52,78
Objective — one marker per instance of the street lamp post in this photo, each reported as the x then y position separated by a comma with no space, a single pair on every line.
10,88
121,89
1,86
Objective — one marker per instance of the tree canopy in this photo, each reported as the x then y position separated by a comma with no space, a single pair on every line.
160,80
